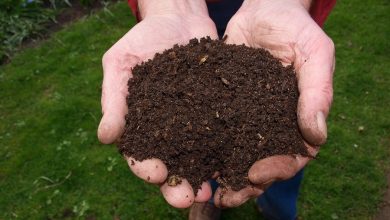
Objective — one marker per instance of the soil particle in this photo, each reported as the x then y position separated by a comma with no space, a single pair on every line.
210,107
174,180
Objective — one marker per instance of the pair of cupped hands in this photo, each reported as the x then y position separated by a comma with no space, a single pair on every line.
283,27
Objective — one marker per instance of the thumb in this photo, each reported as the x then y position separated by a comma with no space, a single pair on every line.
316,91
117,71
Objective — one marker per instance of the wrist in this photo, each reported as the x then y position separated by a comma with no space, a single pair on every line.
306,4
177,7
298,3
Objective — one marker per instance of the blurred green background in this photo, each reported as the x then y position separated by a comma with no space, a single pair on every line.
53,167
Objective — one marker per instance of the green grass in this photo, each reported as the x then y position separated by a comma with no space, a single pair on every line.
25,20
52,166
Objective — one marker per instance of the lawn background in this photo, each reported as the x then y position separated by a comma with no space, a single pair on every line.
53,167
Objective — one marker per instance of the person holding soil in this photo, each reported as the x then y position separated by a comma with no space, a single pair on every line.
289,29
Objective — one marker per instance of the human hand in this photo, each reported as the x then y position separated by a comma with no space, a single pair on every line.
286,30
164,24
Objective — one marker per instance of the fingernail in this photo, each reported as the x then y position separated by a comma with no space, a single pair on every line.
321,125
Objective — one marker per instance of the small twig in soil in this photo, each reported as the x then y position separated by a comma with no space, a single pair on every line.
203,59
225,81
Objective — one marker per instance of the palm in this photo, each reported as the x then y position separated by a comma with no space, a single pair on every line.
289,34
154,34
157,33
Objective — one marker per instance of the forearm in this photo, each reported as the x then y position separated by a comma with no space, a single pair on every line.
183,7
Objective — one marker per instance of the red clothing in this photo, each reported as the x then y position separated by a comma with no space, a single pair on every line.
134,8
319,10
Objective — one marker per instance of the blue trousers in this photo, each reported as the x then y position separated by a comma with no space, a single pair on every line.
279,201
221,12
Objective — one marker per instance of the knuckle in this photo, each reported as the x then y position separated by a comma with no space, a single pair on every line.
230,202
328,44
238,199
108,57
253,175
327,92
287,173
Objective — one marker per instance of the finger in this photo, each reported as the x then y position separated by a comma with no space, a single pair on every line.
316,90
273,168
279,167
151,170
230,198
302,160
117,71
179,196
204,193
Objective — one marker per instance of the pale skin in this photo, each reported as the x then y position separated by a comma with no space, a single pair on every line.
283,27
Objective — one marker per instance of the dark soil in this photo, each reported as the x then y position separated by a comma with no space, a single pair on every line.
210,107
